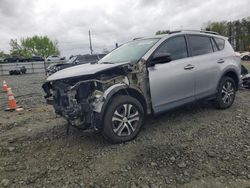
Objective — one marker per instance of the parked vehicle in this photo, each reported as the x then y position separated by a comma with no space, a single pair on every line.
245,56
245,77
74,60
54,58
145,76
35,58
18,70
14,59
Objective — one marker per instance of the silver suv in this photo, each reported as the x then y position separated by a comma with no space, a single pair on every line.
145,76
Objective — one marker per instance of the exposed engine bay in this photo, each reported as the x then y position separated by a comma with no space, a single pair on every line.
82,99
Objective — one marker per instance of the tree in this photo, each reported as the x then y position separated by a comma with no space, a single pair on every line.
220,27
34,46
162,32
3,55
238,32
16,49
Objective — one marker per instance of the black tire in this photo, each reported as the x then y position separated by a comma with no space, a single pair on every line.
246,58
226,93
119,124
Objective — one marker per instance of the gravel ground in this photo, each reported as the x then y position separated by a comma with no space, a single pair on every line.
192,146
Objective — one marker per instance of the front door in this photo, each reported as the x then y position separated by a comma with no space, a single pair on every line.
172,84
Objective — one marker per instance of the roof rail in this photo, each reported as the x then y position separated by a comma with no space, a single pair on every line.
175,31
137,38
211,32
200,31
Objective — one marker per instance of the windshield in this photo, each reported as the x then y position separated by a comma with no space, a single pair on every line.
131,51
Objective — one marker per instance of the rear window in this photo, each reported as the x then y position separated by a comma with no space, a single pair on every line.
200,45
220,43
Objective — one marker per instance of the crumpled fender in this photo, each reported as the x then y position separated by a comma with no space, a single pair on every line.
107,95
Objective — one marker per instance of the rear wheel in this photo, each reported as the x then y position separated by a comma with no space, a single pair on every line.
123,119
226,93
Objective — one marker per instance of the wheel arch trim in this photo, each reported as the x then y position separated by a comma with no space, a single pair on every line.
122,89
233,74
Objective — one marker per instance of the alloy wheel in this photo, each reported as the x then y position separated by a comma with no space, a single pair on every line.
227,92
125,120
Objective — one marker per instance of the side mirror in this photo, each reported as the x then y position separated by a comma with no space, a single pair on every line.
160,58
76,62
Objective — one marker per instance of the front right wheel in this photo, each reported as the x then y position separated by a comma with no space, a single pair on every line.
123,119
226,93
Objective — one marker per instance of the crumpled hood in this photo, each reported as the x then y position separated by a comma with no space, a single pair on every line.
82,70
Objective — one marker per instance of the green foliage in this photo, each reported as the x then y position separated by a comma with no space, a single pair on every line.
238,32
3,55
34,46
16,49
160,32
220,27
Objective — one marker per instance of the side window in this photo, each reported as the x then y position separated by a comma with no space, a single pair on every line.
220,43
215,48
175,46
200,45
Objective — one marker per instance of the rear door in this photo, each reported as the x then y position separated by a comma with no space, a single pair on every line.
206,59
172,83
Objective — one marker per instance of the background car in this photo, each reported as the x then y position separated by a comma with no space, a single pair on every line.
35,58
54,58
18,70
74,60
14,59
245,56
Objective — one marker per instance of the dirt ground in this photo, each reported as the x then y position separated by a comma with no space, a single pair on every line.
192,146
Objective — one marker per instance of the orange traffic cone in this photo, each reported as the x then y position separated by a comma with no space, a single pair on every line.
5,86
12,102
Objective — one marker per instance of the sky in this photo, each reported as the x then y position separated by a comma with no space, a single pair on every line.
110,21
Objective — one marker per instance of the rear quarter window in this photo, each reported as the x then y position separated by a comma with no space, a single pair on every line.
200,45
214,45
220,43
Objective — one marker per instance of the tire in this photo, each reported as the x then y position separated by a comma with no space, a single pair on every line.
121,125
246,58
226,93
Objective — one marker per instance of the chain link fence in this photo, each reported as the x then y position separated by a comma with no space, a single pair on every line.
31,67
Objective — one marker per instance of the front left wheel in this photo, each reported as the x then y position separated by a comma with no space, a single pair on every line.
123,119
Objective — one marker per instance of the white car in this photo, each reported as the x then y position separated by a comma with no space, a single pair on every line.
245,56
54,58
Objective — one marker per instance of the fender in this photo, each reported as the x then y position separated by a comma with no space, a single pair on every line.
99,105
107,97
230,70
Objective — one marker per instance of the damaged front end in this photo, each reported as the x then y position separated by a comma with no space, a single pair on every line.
80,100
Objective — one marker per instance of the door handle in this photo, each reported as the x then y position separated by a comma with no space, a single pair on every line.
189,67
220,61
